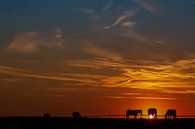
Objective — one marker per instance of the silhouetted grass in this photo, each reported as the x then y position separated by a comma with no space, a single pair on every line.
93,123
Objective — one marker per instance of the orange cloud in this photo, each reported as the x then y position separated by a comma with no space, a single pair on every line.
31,42
33,74
152,98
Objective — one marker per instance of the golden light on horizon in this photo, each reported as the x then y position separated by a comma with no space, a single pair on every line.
160,105
151,116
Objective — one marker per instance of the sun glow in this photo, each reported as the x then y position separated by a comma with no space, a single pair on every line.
151,116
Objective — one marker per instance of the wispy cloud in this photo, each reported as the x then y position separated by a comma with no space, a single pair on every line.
128,24
128,14
107,6
155,98
125,27
12,80
31,42
101,52
148,5
138,78
84,10
182,91
140,74
25,43
49,76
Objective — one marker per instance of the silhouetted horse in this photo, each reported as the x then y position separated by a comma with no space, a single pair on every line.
133,113
152,112
76,115
46,115
171,114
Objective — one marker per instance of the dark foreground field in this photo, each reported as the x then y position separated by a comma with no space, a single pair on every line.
89,123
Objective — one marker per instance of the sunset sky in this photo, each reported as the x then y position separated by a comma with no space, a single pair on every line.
96,56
